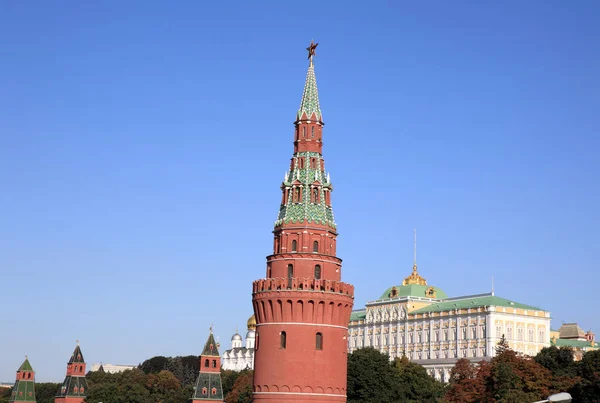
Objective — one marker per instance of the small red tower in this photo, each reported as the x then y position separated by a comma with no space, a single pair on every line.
74,386
208,385
24,389
302,308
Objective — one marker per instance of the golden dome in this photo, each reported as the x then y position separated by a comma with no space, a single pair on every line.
252,323
414,278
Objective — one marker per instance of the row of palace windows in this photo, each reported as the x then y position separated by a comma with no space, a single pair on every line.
520,334
318,340
316,273
207,363
315,247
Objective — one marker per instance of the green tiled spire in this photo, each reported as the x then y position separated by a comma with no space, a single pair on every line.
310,96
211,348
305,210
24,389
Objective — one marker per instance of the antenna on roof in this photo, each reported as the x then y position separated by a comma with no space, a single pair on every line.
415,252
492,285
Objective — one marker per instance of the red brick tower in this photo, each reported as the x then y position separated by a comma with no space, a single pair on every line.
208,385
74,386
302,308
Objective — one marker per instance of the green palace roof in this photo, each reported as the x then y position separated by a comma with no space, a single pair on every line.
474,302
414,286
358,315
574,343
414,290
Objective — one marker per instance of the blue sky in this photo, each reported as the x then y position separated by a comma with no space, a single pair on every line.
143,145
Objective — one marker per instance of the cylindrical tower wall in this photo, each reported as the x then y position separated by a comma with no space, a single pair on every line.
301,343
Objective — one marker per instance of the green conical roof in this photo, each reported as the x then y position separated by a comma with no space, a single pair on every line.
310,96
24,389
211,347
77,357
26,366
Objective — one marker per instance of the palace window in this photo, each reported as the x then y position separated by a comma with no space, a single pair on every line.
437,335
464,334
282,340
498,331
294,245
319,341
317,272
474,333
410,338
531,337
445,335
509,333
474,352
315,246
542,336
419,337
427,337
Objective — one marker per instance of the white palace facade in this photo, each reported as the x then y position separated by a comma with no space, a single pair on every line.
422,323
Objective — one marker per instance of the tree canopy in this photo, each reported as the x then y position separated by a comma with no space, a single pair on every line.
372,378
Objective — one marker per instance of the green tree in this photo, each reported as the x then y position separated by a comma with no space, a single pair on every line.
502,346
413,384
560,361
588,389
371,378
45,392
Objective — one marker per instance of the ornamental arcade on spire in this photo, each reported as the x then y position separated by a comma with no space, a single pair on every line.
24,388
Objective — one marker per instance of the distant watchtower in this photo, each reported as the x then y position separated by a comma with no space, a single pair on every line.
208,385
74,386
24,389
302,308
